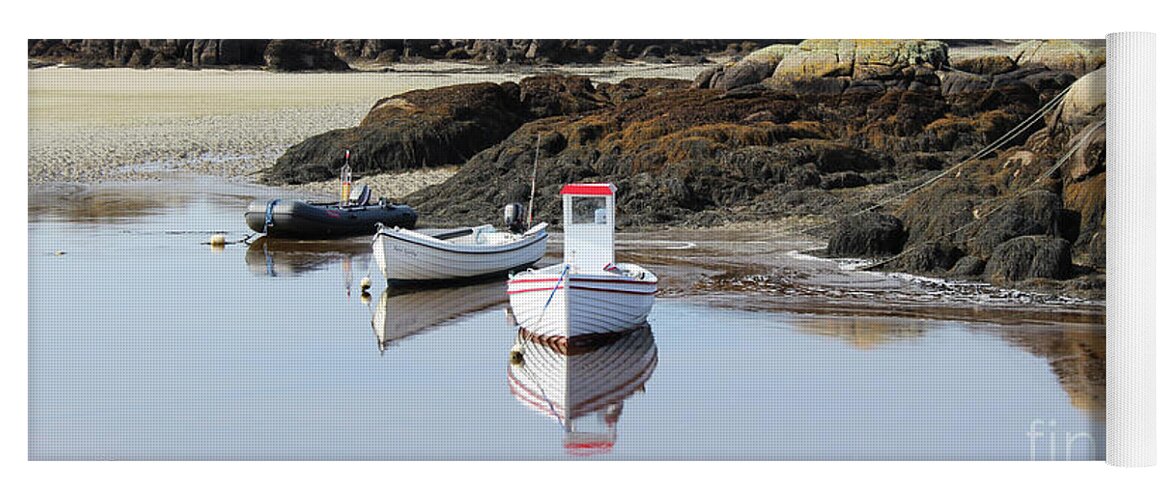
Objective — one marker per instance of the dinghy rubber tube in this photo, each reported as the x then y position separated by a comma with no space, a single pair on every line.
300,219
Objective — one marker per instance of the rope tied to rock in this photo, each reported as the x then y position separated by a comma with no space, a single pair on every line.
1004,201
1013,133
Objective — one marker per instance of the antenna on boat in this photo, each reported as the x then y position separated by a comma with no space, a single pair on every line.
533,181
347,178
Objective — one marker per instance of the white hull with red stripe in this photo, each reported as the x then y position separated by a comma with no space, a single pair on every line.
556,302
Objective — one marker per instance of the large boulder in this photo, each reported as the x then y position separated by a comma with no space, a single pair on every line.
859,59
419,128
1028,257
1084,194
753,68
867,235
984,63
554,94
930,257
1062,55
1086,100
1033,213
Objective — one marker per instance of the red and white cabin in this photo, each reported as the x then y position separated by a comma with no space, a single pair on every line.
588,293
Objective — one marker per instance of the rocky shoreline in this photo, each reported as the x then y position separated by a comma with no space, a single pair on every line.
372,54
865,144
824,129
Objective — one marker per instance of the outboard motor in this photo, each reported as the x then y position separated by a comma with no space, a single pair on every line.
514,217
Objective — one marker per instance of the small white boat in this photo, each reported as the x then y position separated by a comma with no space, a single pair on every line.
413,257
587,294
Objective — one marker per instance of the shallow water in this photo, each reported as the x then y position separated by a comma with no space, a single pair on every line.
146,344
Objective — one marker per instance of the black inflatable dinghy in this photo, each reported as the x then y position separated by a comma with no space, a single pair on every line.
307,220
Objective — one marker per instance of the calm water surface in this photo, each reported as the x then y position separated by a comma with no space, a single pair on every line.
145,344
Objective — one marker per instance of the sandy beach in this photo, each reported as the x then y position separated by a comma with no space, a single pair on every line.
99,125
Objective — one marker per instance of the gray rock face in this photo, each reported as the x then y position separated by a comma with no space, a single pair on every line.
301,55
310,54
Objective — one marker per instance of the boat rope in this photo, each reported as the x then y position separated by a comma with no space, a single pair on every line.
1013,133
245,240
554,292
1004,202
551,294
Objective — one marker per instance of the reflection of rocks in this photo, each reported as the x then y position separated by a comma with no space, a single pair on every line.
860,331
1078,357
583,388
399,315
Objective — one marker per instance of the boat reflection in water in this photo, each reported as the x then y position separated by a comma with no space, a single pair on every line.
584,385
401,314
276,257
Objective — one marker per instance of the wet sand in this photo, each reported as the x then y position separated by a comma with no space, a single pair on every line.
746,266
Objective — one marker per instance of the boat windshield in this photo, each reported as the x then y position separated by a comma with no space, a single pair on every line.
589,210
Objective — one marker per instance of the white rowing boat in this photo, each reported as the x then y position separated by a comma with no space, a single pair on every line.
587,294
405,256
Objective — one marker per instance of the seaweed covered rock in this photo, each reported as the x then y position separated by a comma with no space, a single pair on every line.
984,64
1028,257
1032,213
929,258
691,145
553,95
867,235
751,150
968,266
422,127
